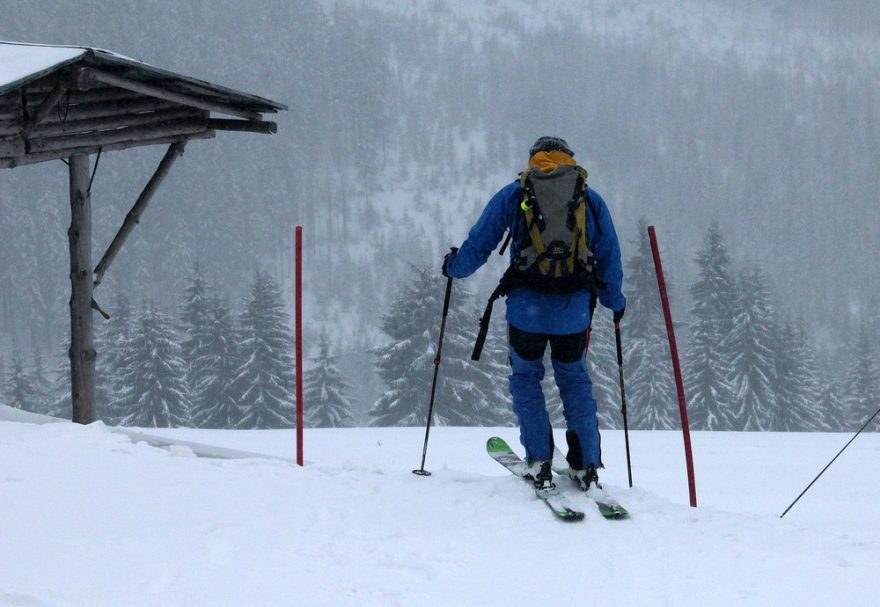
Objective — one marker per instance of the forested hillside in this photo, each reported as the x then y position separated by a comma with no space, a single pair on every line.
758,119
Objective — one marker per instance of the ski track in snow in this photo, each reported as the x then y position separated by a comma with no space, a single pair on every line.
90,518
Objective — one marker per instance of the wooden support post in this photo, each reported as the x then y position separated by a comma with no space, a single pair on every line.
134,215
82,348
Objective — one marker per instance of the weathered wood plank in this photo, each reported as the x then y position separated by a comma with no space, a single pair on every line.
9,127
114,122
245,126
76,97
48,104
11,163
10,106
172,128
11,147
88,76
105,109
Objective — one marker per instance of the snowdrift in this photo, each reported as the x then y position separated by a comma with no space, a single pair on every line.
92,517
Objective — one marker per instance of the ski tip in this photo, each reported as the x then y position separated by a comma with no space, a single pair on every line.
570,516
613,511
497,444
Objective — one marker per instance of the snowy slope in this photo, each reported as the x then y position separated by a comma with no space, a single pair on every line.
89,518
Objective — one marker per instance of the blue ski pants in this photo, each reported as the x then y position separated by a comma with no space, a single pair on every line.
575,389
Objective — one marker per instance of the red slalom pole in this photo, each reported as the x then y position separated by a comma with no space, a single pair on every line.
673,351
299,349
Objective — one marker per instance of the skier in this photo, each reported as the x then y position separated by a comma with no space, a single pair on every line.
537,317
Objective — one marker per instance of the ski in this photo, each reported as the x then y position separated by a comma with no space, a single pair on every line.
501,452
608,508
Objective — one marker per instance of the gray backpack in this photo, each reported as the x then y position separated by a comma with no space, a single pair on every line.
554,254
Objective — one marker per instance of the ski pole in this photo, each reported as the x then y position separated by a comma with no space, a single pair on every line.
828,465
623,399
421,471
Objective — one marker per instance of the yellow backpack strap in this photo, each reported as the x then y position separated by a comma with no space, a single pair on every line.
528,205
579,236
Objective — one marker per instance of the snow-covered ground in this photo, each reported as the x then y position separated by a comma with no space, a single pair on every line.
89,518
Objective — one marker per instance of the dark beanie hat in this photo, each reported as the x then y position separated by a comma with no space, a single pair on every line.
550,144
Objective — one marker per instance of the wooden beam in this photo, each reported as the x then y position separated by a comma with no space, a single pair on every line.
10,109
82,347
73,96
134,215
117,122
10,147
87,76
11,163
9,127
48,104
172,128
110,107
247,126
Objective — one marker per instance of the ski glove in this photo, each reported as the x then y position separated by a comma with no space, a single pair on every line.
618,314
447,259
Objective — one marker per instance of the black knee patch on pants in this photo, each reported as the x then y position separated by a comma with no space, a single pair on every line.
531,346
528,346
567,348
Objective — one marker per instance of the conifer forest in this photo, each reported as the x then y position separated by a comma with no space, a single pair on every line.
747,133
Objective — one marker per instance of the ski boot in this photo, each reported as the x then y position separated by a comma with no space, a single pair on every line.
586,478
540,473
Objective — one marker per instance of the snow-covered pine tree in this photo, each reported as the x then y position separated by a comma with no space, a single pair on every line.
194,321
797,384
42,385
494,368
833,407
710,396
19,390
154,374
466,394
602,363
113,337
325,391
861,386
749,348
264,382
214,402
652,403
60,404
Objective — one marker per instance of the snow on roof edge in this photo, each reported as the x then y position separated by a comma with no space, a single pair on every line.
18,67
21,63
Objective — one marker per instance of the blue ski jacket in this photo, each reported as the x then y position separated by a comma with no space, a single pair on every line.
528,310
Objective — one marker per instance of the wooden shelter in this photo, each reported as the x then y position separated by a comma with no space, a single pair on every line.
69,103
